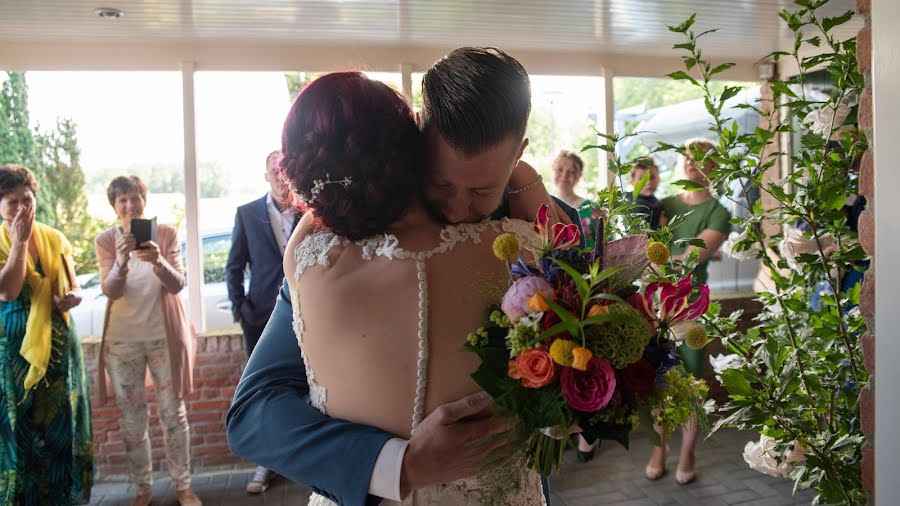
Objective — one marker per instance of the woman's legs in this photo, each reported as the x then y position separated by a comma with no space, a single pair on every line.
656,467
126,364
685,472
172,416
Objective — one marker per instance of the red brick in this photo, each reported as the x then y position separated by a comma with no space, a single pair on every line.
207,416
864,51
217,449
227,392
867,175
865,110
868,469
220,405
208,427
868,349
863,6
218,460
113,447
867,231
212,439
867,295
867,412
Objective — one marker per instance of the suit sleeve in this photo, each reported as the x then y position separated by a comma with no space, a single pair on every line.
272,423
238,257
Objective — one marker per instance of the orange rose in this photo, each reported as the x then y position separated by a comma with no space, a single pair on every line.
536,368
512,371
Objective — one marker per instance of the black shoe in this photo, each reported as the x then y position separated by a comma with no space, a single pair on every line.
586,456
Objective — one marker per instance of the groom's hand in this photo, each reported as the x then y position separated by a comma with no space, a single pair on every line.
452,443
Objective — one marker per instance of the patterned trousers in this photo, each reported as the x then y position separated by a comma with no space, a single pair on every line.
127,364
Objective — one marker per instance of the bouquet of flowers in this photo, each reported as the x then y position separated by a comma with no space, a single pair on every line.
585,340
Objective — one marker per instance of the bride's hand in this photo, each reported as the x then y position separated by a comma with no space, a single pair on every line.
530,194
451,443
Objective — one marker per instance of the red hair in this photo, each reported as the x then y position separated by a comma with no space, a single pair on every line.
345,125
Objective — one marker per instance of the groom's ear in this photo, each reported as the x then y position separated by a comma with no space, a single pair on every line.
522,149
418,119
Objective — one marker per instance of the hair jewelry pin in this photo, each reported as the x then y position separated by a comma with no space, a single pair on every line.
319,185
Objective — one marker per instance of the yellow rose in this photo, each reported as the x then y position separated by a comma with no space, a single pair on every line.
598,310
581,358
537,303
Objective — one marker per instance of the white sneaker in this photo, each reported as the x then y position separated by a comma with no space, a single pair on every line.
260,481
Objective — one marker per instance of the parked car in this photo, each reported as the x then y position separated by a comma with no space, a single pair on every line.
89,315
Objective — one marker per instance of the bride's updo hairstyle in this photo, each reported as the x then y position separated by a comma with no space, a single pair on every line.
352,152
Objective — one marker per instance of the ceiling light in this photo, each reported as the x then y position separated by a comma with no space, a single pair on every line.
108,13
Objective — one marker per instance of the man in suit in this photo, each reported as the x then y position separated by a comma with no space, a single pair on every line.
262,228
476,107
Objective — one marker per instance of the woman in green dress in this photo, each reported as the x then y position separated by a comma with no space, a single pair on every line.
46,450
567,170
711,222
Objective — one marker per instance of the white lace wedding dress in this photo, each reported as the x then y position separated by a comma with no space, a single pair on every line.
314,250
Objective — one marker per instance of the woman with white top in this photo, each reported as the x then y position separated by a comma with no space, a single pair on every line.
146,326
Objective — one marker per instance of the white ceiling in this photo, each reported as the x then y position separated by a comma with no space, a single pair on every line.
748,29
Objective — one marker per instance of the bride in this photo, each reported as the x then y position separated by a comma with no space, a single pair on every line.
384,295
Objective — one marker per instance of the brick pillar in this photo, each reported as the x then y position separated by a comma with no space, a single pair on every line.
867,239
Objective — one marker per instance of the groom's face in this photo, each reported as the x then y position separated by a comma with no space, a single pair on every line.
468,189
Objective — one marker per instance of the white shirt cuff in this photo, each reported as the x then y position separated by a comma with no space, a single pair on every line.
385,480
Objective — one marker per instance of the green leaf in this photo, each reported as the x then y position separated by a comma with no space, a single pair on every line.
615,298
681,75
734,381
584,289
640,185
552,331
684,26
566,316
606,273
782,88
721,68
829,23
688,185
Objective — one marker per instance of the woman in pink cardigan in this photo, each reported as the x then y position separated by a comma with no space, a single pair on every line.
146,326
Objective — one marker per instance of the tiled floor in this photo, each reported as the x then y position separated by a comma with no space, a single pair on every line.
615,476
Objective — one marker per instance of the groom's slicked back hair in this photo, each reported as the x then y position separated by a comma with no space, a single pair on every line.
476,97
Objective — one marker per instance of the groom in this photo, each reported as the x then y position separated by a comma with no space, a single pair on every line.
476,107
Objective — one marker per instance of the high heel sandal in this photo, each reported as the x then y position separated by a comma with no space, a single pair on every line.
655,473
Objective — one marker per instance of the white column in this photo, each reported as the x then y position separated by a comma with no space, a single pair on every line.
886,124
192,202
606,125
406,81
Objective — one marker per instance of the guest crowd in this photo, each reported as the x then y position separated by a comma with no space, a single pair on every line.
46,451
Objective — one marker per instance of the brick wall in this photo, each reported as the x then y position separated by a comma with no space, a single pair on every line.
217,370
867,239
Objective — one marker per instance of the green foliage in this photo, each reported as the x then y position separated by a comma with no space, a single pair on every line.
803,366
53,156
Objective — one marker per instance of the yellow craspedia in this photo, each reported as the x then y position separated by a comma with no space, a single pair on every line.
696,336
658,252
561,352
506,246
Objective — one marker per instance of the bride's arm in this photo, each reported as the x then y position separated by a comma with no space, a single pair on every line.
528,193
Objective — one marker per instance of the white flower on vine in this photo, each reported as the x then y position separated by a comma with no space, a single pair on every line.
761,457
722,362
733,239
830,119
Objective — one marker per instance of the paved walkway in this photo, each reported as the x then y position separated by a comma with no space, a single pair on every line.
615,476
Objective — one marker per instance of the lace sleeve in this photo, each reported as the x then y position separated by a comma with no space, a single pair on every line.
524,232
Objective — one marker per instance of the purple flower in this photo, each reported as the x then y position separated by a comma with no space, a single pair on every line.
515,302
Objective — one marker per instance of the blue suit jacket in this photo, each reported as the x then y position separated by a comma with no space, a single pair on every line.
253,243
271,422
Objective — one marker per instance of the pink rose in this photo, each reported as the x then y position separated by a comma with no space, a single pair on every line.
591,390
515,302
